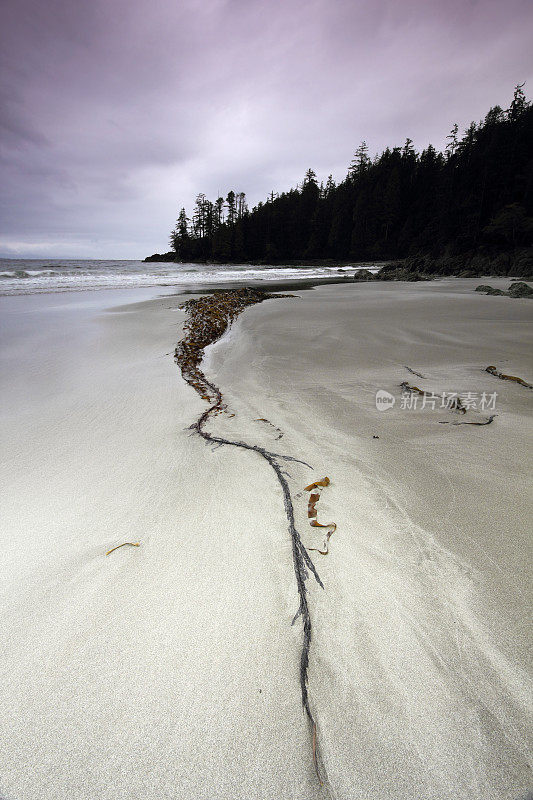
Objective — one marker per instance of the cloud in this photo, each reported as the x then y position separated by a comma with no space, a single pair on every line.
117,113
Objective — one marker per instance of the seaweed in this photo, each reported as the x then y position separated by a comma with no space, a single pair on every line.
413,389
324,482
132,544
414,372
493,371
267,421
311,510
209,317
455,404
485,422
314,497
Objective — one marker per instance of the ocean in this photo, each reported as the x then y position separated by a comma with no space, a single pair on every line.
35,276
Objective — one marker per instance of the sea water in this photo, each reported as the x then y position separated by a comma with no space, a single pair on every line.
34,276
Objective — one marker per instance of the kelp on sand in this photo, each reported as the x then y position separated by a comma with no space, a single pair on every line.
503,377
209,317
314,497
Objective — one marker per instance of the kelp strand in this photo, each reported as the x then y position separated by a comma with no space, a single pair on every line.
414,372
131,544
483,422
493,371
208,319
455,404
324,482
314,497
267,422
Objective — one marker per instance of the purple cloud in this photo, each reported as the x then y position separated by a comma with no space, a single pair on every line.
117,113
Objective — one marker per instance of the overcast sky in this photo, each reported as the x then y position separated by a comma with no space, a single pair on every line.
115,113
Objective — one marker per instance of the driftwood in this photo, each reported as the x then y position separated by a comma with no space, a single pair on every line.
209,317
503,377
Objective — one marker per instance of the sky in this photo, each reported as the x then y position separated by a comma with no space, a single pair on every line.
115,113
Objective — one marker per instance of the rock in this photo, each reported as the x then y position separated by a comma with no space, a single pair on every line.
395,273
486,289
363,275
520,289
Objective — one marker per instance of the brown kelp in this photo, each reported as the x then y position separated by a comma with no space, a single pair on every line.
131,544
209,317
453,404
503,377
314,497
323,482
267,422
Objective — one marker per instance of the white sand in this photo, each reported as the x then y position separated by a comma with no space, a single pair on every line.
170,670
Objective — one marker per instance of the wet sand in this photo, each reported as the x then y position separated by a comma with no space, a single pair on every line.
172,669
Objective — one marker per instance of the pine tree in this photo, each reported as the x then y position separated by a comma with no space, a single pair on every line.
519,103
231,208
219,211
477,196
330,186
198,217
179,238
360,162
242,208
451,147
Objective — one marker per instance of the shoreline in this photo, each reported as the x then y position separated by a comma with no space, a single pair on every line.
81,277
506,264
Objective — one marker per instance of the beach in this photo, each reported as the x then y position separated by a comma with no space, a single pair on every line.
171,669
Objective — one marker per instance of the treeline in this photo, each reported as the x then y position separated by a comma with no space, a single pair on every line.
476,198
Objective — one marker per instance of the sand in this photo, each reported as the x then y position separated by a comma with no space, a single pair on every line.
171,670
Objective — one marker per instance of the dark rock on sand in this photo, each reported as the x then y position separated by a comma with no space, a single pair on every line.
403,271
486,289
363,275
520,289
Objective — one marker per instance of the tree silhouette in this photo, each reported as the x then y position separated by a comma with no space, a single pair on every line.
472,201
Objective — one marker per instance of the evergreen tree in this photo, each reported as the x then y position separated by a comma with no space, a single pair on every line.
519,103
179,238
242,208
219,211
231,208
451,147
330,186
476,197
360,162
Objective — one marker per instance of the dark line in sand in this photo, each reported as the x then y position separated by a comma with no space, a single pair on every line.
485,422
414,372
209,317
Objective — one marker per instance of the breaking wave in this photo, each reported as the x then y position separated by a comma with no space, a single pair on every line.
34,277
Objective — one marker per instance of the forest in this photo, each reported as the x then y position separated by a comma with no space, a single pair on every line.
466,209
